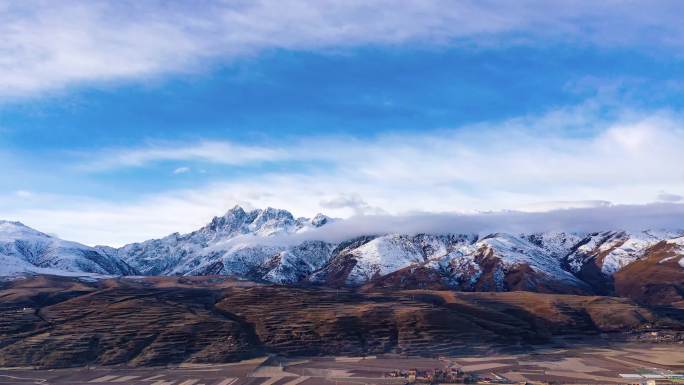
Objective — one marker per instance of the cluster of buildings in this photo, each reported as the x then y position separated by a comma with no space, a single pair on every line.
452,375
446,376
663,336
653,377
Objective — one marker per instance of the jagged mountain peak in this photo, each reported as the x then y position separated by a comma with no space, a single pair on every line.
320,220
231,220
236,209
204,250
271,214
262,221
236,212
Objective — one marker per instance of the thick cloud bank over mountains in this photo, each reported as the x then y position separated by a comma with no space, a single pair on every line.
577,220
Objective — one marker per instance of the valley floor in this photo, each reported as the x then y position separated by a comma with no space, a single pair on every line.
584,364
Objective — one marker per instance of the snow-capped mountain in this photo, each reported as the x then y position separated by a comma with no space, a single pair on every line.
252,245
550,261
216,249
25,250
496,262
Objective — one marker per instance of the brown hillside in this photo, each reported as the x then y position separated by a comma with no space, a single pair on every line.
54,322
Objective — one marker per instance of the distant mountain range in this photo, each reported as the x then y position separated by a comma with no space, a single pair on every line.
646,265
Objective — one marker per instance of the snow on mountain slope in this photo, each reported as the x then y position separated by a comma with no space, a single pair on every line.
515,251
556,244
599,256
495,262
295,264
465,262
458,270
612,251
208,250
679,247
25,250
384,255
360,260
657,276
249,244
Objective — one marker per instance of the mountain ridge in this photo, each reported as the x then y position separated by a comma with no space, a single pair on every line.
249,245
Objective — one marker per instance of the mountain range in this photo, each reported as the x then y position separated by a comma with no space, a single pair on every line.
259,245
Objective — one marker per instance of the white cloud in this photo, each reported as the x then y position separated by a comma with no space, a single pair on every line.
581,220
225,153
181,170
23,194
668,197
49,45
562,205
527,164
354,202
512,157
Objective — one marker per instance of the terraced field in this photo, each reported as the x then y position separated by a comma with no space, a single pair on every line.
60,322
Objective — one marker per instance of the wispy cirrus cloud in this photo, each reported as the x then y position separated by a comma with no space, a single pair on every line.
218,152
541,151
43,49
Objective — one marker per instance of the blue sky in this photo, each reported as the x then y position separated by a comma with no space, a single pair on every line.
148,117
